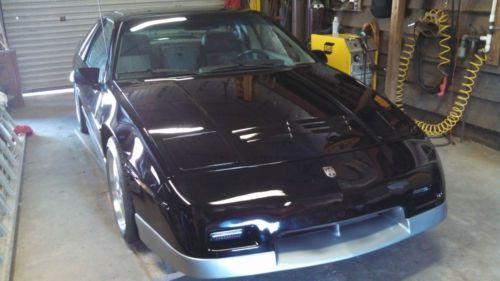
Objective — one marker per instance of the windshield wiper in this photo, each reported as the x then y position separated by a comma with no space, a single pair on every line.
255,65
154,73
169,72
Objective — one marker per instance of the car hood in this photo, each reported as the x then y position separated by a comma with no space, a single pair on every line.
202,123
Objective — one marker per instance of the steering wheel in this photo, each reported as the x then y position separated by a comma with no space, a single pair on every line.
261,54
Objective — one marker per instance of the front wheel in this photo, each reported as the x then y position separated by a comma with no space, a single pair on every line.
120,196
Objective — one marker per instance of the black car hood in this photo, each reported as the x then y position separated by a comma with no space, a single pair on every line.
214,122
223,141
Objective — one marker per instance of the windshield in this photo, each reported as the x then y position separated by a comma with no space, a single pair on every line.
204,44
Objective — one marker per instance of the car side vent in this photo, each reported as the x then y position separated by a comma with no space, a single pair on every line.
430,152
335,126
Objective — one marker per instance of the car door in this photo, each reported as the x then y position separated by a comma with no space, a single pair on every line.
97,55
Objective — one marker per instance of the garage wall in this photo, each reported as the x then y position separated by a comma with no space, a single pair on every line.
44,33
484,106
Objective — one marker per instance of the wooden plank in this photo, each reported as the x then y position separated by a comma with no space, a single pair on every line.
248,87
494,56
396,31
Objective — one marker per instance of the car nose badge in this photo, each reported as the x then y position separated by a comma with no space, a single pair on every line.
330,171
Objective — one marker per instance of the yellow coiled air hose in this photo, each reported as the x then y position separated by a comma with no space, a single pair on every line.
440,19
457,110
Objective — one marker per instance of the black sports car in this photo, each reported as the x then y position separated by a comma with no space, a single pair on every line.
231,150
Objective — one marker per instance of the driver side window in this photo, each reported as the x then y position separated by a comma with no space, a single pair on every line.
97,55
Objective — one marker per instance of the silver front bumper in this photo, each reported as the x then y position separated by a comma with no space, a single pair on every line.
320,247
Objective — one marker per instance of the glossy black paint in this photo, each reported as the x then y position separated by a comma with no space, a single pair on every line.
203,158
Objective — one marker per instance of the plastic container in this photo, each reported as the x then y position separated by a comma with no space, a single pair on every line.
335,26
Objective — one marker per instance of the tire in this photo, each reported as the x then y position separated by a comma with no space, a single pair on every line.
80,117
120,196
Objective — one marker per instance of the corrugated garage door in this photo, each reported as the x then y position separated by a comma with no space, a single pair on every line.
45,33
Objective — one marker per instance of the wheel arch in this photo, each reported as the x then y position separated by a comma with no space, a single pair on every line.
106,133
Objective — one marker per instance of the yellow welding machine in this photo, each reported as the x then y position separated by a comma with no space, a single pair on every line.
349,53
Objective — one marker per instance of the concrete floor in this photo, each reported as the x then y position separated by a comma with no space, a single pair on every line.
67,232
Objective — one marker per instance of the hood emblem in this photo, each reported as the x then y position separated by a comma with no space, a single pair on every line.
329,171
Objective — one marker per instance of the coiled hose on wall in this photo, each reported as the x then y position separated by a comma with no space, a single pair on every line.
457,110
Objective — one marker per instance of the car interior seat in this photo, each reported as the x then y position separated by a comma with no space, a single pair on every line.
135,54
218,48
181,56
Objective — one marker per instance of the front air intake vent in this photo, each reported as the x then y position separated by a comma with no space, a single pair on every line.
226,235
238,239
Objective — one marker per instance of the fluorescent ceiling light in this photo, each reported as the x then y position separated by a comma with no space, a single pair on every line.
156,22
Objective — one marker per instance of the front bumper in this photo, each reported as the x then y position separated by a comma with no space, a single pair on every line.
357,237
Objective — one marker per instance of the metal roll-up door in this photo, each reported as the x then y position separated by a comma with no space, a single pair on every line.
44,33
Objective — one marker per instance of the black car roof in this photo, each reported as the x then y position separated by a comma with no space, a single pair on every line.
119,16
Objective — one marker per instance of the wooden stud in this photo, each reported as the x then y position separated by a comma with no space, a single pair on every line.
396,31
247,87
494,55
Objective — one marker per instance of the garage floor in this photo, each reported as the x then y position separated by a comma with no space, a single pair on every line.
67,232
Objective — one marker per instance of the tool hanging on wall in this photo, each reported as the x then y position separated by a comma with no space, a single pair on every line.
429,31
420,46
440,19
372,29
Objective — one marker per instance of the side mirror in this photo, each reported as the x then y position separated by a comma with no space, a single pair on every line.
87,76
320,55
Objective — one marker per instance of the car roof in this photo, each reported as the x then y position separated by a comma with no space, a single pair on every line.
119,16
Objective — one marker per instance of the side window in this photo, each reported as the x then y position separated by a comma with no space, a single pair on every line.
97,55
84,44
